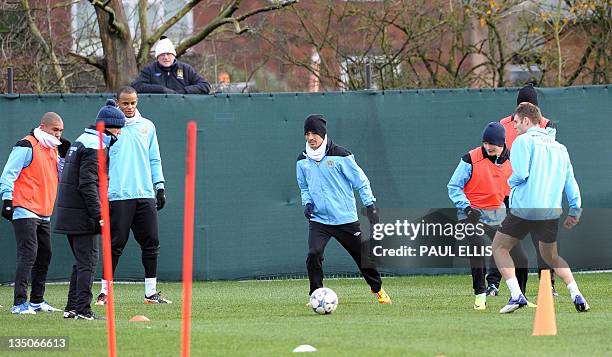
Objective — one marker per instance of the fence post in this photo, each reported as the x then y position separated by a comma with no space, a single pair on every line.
368,71
9,80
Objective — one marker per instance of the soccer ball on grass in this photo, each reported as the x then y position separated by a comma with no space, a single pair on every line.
324,301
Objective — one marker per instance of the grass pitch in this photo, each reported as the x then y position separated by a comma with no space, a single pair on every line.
430,316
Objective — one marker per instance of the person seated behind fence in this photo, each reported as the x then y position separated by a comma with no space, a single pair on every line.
223,82
168,75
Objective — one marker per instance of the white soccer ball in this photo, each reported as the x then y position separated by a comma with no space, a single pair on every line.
324,301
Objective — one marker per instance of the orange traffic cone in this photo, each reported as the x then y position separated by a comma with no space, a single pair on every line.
545,322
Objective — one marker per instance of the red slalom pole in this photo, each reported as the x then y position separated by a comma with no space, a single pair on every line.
106,245
188,222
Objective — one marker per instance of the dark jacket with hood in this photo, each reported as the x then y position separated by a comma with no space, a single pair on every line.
78,200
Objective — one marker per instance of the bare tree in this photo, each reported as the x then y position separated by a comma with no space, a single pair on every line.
443,43
344,36
319,44
241,56
47,45
119,63
571,40
589,22
28,46
409,44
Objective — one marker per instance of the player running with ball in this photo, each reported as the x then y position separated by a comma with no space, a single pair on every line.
327,174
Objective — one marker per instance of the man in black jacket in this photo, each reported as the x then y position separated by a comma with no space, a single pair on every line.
78,209
167,75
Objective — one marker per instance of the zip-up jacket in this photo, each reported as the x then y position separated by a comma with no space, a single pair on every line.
78,202
179,77
541,171
135,168
329,184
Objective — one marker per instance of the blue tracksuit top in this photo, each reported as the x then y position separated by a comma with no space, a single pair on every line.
541,171
19,158
135,169
329,184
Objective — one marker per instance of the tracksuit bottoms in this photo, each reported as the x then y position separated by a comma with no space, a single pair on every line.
350,237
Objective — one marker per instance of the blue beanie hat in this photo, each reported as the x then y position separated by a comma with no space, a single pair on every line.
111,115
494,133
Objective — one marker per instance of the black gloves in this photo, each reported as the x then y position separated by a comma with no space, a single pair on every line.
372,213
7,209
113,138
62,149
308,211
473,215
161,198
97,226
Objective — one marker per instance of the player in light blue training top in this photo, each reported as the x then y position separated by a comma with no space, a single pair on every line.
136,192
541,171
327,174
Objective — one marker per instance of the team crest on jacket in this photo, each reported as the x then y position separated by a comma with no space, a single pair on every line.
330,163
179,73
144,131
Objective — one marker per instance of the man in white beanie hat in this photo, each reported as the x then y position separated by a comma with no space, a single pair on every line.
167,75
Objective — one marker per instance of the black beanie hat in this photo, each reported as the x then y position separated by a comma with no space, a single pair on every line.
316,124
527,94
494,133
111,115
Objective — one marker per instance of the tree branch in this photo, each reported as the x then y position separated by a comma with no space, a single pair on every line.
279,5
94,61
500,50
143,21
225,17
57,69
114,25
145,45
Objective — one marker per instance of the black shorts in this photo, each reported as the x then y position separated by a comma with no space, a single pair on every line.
543,230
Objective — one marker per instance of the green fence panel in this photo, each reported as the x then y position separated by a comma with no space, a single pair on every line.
249,220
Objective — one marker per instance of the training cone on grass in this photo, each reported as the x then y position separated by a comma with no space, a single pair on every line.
545,322
304,348
139,318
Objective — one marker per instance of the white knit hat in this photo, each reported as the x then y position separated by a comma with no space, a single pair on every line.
164,45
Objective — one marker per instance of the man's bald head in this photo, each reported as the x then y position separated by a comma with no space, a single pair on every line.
52,123
50,118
